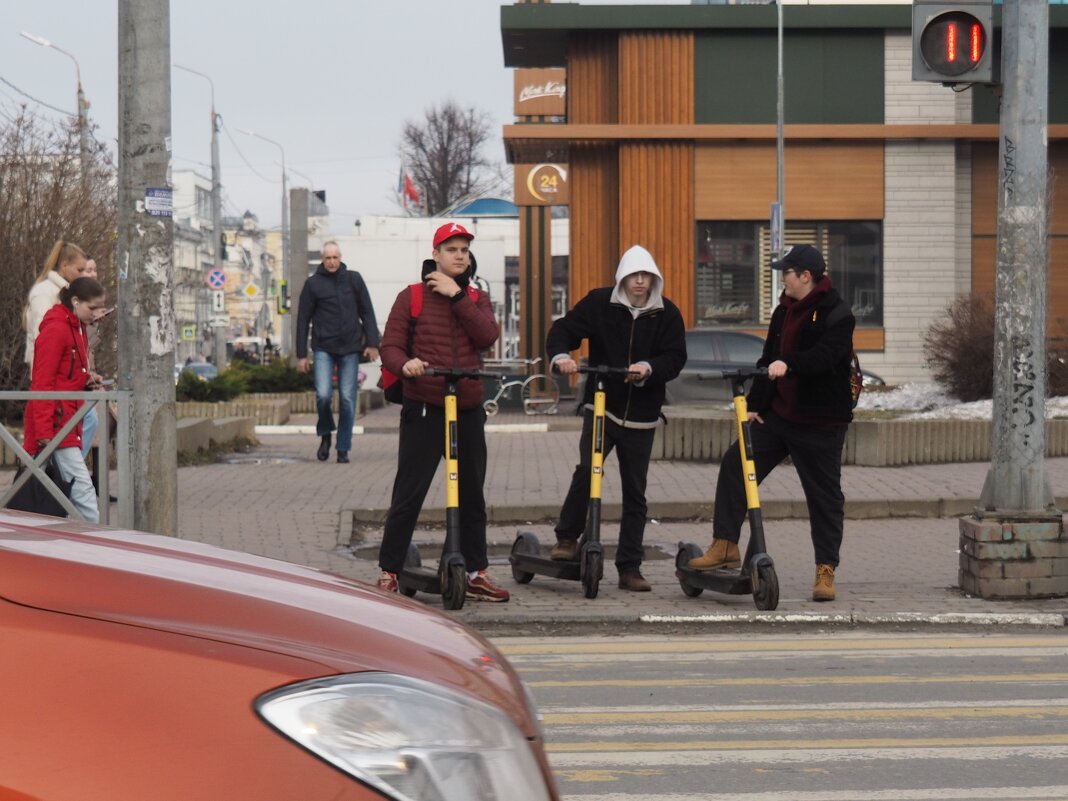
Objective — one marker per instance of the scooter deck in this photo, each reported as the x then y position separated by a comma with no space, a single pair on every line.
546,567
727,581
420,579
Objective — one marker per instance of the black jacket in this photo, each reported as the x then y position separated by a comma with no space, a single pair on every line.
821,364
338,307
618,339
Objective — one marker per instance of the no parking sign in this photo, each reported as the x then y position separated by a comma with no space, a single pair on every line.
216,279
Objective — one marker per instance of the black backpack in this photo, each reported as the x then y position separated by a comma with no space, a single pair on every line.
856,376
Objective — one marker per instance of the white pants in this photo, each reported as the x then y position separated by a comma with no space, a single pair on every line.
72,467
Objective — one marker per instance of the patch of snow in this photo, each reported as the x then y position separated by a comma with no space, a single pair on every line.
926,401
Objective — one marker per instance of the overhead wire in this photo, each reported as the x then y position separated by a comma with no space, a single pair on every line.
34,99
247,162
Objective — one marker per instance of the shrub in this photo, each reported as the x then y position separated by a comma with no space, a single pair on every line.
278,376
226,386
960,351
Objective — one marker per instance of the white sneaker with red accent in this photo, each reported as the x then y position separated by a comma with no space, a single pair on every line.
387,582
482,588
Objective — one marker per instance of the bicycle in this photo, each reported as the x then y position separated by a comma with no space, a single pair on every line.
539,392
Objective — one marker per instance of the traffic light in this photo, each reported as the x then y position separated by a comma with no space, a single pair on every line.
952,42
283,297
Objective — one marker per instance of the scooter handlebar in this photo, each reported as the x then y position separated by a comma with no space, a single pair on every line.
453,372
600,369
743,373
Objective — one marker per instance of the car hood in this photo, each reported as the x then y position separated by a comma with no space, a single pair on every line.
192,589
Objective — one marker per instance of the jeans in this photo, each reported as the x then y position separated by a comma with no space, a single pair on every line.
71,466
633,447
348,365
89,423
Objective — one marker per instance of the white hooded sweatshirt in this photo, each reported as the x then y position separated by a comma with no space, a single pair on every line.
637,259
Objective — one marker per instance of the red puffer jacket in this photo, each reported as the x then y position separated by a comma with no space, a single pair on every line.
60,364
447,334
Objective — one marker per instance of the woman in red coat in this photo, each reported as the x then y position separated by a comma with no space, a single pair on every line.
61,364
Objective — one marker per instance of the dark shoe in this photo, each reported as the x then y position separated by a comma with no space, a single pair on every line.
633,581
324,449
342,457
481,588
565,551
720,554
823,590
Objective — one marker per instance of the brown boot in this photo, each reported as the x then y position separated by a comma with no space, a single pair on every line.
633,581
720,554
565,551
824,588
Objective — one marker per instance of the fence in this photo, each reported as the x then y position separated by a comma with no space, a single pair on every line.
101,401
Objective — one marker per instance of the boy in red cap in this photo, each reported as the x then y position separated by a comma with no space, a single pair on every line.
454,326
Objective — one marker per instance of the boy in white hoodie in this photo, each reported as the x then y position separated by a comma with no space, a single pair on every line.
630,324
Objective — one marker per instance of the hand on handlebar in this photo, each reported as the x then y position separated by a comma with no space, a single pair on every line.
637,373
777,369
565,366
413,368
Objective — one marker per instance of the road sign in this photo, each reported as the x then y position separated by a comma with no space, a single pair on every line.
251,290
216,279
219,322
218,301
189,332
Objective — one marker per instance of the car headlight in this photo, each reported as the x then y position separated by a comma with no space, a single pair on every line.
408,738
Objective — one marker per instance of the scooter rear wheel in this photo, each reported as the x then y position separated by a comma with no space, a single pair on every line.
526,544
687,551
411,559
593,569
454,591
766,594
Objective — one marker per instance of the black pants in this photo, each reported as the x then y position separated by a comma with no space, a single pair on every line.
633,447
421,449
816,452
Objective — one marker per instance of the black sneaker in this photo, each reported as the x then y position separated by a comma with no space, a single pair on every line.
342,457
324,449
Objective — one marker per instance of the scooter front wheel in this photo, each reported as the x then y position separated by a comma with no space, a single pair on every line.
766,591
593,569
454,589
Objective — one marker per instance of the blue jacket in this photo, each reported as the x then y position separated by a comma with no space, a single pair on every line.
338,307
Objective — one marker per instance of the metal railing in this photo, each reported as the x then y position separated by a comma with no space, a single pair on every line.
100,400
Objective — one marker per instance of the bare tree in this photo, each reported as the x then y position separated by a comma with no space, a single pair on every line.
44,195
442,154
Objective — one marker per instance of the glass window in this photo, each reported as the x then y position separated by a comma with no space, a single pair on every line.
735,287
741,347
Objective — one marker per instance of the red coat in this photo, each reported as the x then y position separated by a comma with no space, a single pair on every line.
447,334
60,364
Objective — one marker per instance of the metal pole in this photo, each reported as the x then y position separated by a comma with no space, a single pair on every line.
83,104
145,269
1017,485
779,144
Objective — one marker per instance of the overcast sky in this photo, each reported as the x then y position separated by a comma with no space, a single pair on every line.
333,81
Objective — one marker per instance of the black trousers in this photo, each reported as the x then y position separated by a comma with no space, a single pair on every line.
633,447
816,452
421,449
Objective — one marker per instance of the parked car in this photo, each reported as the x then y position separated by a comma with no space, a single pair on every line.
710,349
138,666
205,371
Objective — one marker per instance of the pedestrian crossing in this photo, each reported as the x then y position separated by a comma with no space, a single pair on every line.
807,717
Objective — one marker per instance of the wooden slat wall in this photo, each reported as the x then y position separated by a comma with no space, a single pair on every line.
656,75
823,181
594,186
535,279
592,79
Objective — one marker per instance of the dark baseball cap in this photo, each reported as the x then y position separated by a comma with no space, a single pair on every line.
801,258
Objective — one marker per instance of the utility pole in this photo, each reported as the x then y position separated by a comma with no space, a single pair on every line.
1016,508
145,269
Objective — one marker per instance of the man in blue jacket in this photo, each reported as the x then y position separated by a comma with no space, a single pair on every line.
336,303
630,324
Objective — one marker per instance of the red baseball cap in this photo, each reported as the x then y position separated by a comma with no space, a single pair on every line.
448,231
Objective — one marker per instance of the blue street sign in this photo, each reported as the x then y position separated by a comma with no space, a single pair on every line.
216,279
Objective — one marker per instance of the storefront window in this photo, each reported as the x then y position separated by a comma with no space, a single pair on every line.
735,288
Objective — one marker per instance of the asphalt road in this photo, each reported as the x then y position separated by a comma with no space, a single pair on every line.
808,716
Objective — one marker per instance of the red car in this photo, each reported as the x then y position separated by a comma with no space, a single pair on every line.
136,667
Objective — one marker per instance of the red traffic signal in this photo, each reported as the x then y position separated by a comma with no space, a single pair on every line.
952,42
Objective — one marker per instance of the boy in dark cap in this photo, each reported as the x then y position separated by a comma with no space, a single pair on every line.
803,408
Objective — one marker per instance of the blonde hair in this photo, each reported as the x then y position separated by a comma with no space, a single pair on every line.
62,252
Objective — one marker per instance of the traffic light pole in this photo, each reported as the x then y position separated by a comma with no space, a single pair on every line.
1015,546
145,269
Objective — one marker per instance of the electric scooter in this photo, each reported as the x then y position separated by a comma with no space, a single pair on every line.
450,579
526,558
757,572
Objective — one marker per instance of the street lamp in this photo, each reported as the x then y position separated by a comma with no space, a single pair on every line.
83,105
285,227
218,331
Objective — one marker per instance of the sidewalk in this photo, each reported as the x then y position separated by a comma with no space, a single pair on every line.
899,558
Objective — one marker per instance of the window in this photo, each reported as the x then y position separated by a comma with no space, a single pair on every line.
735,287
203,203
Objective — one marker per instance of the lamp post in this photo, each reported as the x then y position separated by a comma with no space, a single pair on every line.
218,332
83,105
285,228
